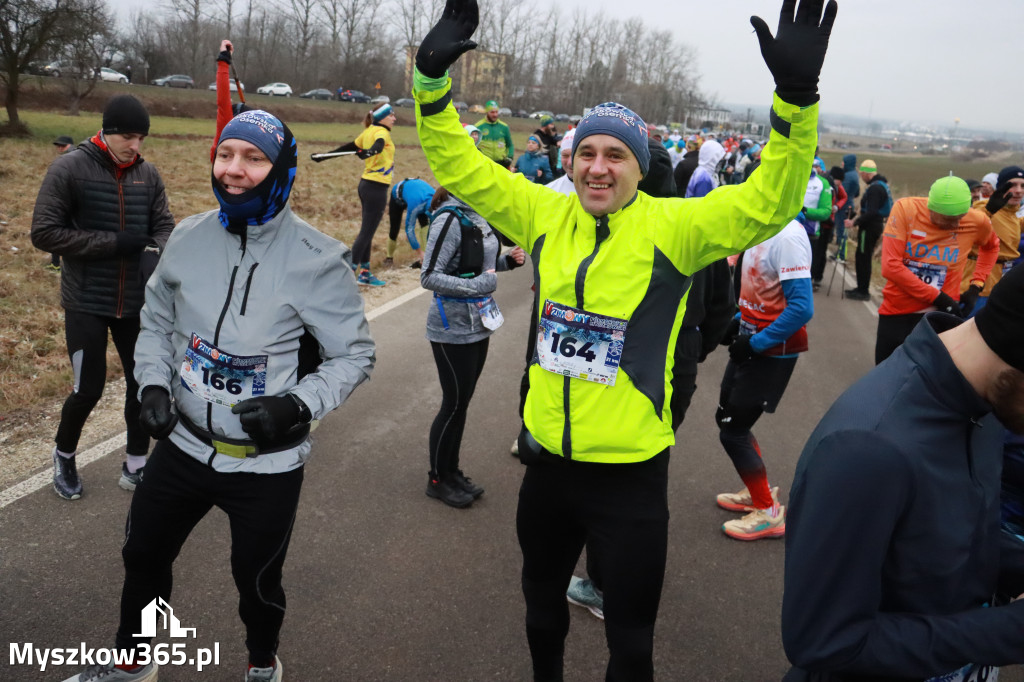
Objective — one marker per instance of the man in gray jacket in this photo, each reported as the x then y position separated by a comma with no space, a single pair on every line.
103,209
228,388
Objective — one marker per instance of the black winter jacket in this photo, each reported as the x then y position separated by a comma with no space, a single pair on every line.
892,537
875,197
84,201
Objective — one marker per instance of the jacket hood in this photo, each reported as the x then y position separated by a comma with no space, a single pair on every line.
711,152
850,162
878,176
659,181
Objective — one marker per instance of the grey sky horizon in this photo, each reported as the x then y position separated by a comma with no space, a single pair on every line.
898,60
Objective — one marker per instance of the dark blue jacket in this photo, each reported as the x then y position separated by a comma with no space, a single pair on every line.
530,162
892,538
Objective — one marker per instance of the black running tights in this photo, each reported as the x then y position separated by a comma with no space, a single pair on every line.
374,198
458,367
174,495
87,346
620,513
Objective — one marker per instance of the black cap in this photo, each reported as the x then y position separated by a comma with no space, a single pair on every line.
972,184
63,140
1001,321
125,114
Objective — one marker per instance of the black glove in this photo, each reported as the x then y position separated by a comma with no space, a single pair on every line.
1000,197
224,56
157,416
365,153
267,417
731,332
129,243
449,38
945,303
740,350
968,299
796,53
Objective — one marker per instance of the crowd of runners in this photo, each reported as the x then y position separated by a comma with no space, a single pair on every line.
648,250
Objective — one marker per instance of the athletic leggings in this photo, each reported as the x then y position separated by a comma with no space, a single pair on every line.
176,492
458,367
395,211
866,241
620,513
749,389
87,347
893,330
819,251
374,198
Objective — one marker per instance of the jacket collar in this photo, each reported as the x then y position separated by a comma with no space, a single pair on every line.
948,385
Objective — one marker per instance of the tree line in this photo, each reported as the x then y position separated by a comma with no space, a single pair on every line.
556,60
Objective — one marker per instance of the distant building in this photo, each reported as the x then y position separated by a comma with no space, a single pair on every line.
477,76
709,117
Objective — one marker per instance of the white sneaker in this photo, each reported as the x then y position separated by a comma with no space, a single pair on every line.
760,523
108,673
741,501
515,448
274,674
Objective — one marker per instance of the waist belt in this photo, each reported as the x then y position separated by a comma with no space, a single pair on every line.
999,259
440,308
242,448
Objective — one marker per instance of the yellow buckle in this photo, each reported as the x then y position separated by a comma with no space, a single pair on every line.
237,451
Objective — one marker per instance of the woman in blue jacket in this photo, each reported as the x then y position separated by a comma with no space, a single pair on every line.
533,163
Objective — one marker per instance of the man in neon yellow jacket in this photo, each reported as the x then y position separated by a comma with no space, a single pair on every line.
612,269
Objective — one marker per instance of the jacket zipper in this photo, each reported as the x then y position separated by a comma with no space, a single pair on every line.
121,276
601,233
220,323
248,283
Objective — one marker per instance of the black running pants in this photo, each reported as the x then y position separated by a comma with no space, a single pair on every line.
175,494
87,347
819,251
374,198
620,513
893,330
866,242
458,367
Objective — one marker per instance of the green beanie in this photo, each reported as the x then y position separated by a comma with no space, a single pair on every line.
949,196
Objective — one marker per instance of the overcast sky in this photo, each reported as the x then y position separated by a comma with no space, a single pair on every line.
934,60
920,60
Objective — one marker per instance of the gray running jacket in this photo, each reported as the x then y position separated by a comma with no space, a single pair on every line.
253,295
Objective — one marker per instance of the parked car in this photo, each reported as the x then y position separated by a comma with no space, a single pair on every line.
58,69
112,76
231,84
381,99
520,113
461,107
278,89
346,95
542,112
562,117
477,109
36,68
575,119
405,102
504,111
319,93
177,80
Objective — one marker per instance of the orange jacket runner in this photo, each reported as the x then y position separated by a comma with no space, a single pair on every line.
920,259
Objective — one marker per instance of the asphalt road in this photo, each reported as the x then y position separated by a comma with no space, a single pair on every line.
384,583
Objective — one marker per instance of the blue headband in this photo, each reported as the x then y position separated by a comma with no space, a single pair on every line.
611,118
381,113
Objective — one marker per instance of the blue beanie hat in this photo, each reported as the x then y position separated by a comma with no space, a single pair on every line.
259,128
1010,173
611,118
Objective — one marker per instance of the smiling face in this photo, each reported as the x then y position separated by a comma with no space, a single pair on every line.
605,174
1016,192
240,166
124,147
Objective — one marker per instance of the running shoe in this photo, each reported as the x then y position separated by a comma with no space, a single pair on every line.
858,295
460,479
449,492
273,674
65,477
815,285
416,264
53,268
108,673
389,263
515,448
129,480
741,501
760,523
582,592
367,279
